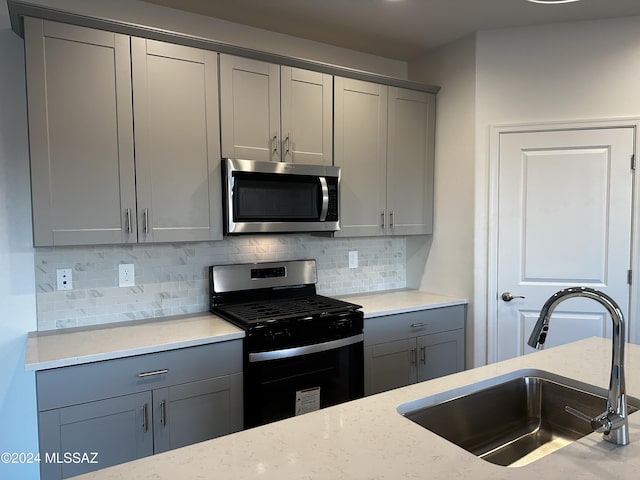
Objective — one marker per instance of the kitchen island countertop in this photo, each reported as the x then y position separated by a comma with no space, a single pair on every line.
368,439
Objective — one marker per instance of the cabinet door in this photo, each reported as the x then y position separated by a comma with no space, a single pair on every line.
175,94
197,411
117,429
410,162
360,136
249,109
80,134
440,354
389,365
307,116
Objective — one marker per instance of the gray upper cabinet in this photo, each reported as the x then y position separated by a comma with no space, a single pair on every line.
175,99
410,162
384,143
87,187
275,113
360,149
80,134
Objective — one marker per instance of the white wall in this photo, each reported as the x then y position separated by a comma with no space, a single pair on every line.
18,432
555,73
445,263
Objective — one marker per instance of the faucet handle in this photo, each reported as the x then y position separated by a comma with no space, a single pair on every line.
603,423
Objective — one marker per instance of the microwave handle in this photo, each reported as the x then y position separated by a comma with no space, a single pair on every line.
325,198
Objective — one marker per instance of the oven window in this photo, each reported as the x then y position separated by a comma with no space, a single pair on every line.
275,197
271,386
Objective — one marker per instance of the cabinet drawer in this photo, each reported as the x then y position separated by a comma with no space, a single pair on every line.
406,325
65,386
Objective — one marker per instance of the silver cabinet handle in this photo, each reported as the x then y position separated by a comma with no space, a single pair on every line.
414,357
423,355
382,216
418,325
155,372
286,142
145,222
145,418
507,297
128,220
274,142
391,219
163,413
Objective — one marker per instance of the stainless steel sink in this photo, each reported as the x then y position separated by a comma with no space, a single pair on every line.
514,419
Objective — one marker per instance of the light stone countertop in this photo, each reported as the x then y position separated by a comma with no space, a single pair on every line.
390,302
368,439
73,346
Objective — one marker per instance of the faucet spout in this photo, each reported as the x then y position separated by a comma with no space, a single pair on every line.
614,419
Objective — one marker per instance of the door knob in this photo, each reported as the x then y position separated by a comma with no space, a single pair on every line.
507,297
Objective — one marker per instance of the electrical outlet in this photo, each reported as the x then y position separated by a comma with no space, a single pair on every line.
65,278
126,275
353,259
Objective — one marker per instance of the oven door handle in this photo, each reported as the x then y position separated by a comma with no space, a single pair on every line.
305,350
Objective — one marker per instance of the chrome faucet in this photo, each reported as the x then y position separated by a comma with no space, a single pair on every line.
613,423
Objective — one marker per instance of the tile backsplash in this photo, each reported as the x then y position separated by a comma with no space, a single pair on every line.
172,279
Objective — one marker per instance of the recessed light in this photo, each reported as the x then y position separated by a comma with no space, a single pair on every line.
552,2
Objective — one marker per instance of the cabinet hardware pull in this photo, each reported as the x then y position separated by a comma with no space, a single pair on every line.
382,215
420,324
128,220
155,372
391,219
145,223
423,355
286,142
145,418
274,142
163,409
414,357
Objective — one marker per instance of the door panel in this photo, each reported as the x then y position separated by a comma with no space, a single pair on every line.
564,219
361,150
390,365
177,143
250,109
307,120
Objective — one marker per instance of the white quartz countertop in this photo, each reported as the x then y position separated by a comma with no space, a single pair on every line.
368,439
376,304
73,346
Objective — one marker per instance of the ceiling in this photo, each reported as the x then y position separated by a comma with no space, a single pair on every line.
399,29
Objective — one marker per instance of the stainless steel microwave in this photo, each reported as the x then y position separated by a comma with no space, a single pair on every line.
264,197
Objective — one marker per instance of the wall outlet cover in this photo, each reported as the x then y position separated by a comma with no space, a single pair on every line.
353,259
126,275
64,278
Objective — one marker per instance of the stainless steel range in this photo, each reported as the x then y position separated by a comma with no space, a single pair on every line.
303,351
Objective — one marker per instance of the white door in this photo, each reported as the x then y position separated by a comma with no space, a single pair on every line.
564,219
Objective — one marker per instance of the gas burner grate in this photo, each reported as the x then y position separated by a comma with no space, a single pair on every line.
284,308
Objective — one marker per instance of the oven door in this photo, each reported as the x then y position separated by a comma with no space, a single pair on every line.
284,383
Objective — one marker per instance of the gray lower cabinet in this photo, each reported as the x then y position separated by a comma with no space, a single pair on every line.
406,348
100,414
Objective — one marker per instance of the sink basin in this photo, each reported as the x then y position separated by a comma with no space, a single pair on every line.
514,419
